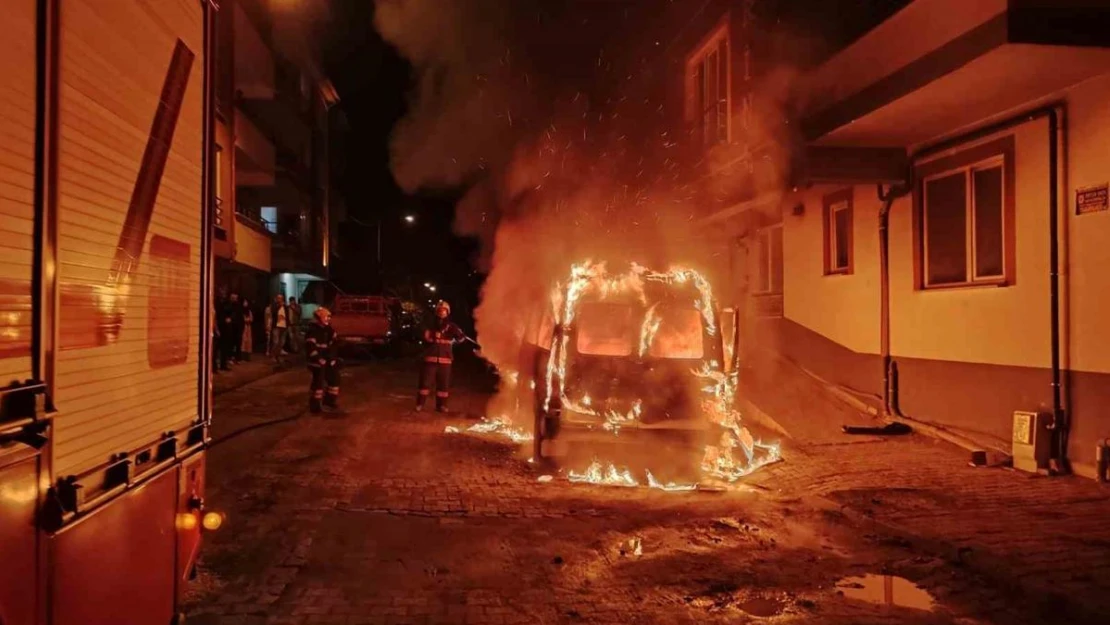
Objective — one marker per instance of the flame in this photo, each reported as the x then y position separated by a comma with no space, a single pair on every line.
611,475
608,476
502,426
614,420
719,460
648,330
734,455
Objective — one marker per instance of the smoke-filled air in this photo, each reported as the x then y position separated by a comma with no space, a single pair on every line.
562,150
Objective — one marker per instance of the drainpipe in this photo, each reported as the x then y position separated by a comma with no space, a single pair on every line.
890,402
1053,112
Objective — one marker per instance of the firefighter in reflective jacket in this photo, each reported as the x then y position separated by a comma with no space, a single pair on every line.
322,345
440,337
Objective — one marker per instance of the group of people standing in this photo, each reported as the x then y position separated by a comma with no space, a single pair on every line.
233,329
234,321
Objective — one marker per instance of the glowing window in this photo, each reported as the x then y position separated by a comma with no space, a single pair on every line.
605,330
679,334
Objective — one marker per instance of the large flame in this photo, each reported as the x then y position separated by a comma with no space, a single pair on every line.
733,455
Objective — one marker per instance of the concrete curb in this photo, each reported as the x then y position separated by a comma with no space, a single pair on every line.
930,430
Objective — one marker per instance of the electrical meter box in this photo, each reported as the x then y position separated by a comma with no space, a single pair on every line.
1031,441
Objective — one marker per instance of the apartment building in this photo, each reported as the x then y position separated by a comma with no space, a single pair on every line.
929,231
276,113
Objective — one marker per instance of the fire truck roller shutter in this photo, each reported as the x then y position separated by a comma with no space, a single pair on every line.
130,119
17,188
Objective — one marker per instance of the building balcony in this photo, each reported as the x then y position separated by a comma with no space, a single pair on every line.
255,157
293,171
293,255
280,117
299,238
253,243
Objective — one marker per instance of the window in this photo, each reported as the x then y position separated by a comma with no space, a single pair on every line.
269,218
708,89
679,334
837,216
768,258
605,330
964,222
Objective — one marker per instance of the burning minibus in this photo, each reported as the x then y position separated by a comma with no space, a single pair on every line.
638,354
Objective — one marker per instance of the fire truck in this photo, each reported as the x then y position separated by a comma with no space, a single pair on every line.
105,270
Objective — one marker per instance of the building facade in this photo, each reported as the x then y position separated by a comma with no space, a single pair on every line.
276,113
921,217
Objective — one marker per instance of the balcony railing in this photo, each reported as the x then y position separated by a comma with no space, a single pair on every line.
219,219
252,215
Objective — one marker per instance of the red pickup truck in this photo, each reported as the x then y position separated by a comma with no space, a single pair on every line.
363,321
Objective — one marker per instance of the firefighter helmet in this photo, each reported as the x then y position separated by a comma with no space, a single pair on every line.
444,305
322,314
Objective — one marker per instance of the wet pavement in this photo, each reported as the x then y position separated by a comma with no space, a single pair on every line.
379,516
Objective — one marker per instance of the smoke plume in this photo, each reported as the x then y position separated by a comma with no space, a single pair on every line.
563,151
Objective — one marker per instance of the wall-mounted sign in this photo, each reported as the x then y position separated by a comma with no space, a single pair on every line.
1092,199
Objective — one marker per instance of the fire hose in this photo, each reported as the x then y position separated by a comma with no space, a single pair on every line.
261,424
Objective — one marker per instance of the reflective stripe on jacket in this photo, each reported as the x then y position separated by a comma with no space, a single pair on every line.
440,351
320,342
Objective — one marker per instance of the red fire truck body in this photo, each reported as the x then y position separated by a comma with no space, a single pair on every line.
105,257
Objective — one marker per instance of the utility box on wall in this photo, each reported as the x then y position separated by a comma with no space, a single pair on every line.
1031,441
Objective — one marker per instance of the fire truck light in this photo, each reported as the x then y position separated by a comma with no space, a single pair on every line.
187,521
212,521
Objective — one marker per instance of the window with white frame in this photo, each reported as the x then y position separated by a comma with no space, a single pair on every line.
708,89
838,220
768,261
965,225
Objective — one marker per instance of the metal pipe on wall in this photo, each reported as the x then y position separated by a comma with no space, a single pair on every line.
1054,113
890,406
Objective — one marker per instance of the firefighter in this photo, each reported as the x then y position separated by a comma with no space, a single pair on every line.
440,337
322,345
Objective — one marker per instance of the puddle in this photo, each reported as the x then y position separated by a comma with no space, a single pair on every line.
762,607
886,590
722,597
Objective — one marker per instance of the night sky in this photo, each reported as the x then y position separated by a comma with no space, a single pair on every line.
374,84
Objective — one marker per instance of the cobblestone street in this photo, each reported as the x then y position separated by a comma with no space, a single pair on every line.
378,516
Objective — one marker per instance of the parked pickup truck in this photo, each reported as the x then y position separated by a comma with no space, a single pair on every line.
363,321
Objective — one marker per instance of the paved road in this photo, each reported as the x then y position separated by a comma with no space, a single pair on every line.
378,516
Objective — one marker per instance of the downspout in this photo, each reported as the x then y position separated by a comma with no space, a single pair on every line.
1053,112
890,391
1059,414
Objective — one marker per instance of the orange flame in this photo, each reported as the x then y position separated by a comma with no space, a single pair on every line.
720,460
